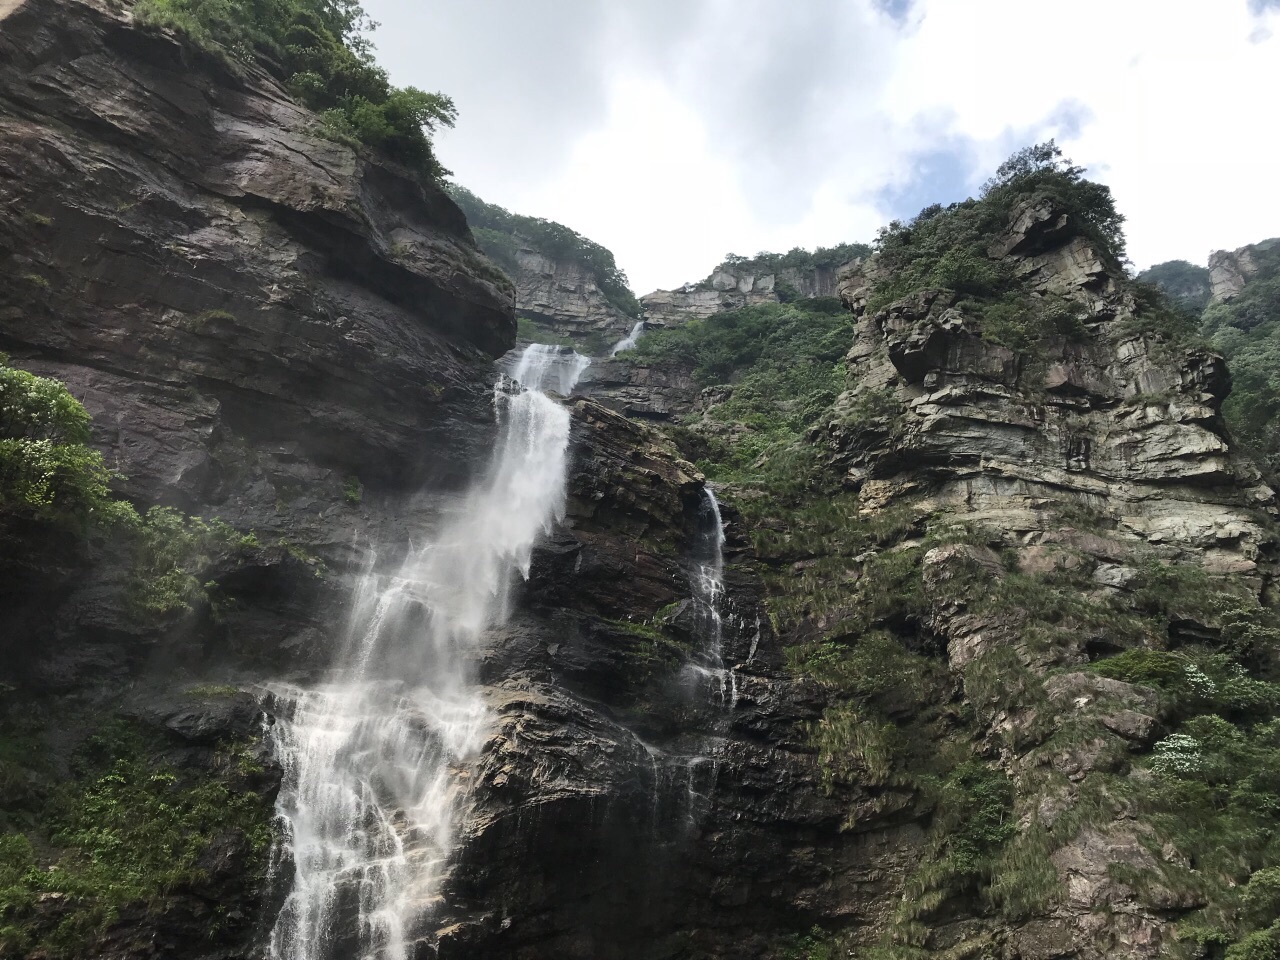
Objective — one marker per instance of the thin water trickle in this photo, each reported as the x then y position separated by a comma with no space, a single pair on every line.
629,341
708,596
370,793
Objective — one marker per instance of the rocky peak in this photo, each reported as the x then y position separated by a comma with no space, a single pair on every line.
1110,412
1229,271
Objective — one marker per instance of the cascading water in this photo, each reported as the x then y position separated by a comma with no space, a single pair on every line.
629,341
708,596
369,756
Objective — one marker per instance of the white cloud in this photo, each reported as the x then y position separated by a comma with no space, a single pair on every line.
674,132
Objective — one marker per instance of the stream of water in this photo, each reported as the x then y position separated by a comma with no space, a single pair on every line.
370,756
707,664
629,341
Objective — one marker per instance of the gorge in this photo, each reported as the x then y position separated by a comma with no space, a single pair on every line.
431,596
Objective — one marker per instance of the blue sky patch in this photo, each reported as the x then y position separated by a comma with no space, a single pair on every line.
939,176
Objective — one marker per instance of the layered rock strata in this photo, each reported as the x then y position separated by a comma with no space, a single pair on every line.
564,299
1091,458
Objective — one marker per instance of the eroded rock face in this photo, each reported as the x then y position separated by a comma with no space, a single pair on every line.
563,297
1084,459
1228,272
274,330
661,391
266,327
1120,422
730,289
163,204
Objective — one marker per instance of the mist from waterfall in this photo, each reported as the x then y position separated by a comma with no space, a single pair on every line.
372,756
629,341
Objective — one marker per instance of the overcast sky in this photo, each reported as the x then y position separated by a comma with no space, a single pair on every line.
676,131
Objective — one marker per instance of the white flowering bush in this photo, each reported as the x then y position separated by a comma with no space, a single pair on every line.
1198,682
1178,755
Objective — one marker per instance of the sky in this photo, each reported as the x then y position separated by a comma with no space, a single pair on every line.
676,131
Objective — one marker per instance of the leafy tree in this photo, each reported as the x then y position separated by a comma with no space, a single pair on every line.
47,471
321,50
1042,170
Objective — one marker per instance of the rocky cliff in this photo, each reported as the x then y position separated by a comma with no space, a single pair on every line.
564,300
1023,507
267,327
293,339
741,282
994,668
633,384
1240,318
1096,464
569,290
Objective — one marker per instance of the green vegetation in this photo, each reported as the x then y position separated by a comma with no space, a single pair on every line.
1186,283
501,234
171,552
47,471
50,477
782,362
352,491
847,588
1246,329
124,831
321,50
972,820
797,258
948,247
952,248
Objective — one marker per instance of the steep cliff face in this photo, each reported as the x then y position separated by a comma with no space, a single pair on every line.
163,202
1242,320
1115,418
746,283
1024,505
565,301
569,289
633,384
267,327
273,330
1091,460
1229,271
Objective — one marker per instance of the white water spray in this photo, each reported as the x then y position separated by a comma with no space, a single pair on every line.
371,757
629,341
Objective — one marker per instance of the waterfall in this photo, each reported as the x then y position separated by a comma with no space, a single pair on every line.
370,792
629,341
708,597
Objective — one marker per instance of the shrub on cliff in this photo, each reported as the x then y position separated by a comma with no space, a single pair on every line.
321,50
949,246
47,472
